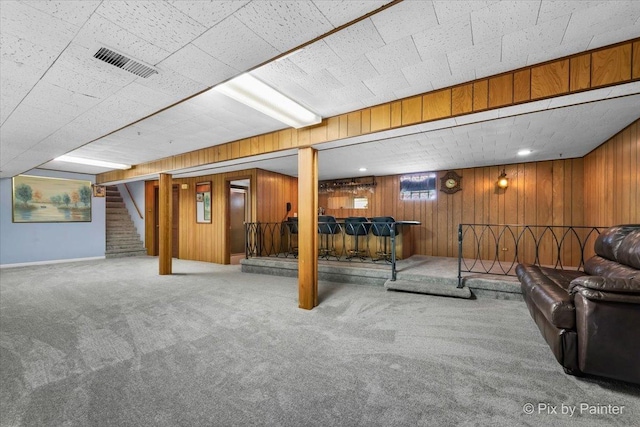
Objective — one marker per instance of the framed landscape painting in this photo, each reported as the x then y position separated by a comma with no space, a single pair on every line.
40,199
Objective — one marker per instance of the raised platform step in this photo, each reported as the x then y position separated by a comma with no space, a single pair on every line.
430,286
420,274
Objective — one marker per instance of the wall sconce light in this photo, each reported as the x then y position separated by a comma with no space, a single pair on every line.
503,181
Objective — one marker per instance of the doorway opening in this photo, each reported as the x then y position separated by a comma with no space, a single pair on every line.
239,213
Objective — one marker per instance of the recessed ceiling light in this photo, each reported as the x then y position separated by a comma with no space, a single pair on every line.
362,169
91,162
252,92
524,152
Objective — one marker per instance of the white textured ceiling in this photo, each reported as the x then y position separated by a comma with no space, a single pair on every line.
56,98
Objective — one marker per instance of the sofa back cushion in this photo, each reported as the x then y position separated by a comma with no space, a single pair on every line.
609,241
629,250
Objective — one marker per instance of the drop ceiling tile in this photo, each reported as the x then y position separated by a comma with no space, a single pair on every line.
611,37
405,19
444,38
321,81
348,93
565,49
315,57
431,70
27,137
447,10
394,56
339,12
153,98
602,18
55,99
552,9
73,12
502,18
172,83
16,87
246,51
355,40
385,85
278,72
100,32
78,83
156,22
38,118
206,15
283,24
199,66
543,37
24,53
355,70
25,22
481,55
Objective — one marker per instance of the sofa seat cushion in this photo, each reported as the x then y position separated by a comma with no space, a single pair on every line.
548,290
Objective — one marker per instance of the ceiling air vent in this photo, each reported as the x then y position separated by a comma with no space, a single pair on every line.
118,60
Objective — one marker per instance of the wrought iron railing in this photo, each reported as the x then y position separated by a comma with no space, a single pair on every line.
348,241
499,248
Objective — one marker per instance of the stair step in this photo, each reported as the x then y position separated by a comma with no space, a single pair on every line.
125,248
122,238
123,254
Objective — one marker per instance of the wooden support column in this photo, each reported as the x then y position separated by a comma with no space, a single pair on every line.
165,212
307,228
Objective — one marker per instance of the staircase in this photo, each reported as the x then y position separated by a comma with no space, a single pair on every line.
123,239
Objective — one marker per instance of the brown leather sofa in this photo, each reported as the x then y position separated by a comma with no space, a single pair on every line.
591,319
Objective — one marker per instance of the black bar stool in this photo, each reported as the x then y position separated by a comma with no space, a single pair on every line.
292,227
327,226
381,227
356,226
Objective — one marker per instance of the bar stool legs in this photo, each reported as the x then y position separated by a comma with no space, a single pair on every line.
381,227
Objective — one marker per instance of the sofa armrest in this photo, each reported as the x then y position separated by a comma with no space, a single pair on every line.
627,285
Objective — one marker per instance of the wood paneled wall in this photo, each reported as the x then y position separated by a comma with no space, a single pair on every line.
549,193
605,66
269,193
274,191
612,180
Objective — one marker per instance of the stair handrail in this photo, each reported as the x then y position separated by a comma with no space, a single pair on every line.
133,200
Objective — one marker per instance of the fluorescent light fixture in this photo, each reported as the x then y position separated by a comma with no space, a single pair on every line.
362,169
252,92
524,152
91,162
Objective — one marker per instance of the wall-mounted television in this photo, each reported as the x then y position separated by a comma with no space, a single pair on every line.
418,186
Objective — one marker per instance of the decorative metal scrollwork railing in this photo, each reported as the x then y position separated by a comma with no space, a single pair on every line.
499,248
366,242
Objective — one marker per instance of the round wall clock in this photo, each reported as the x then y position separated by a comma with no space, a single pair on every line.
450,182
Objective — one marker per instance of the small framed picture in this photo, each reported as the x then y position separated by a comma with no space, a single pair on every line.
99,191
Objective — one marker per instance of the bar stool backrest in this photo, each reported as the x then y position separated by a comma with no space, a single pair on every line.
327,225
357,226
381,225
292,224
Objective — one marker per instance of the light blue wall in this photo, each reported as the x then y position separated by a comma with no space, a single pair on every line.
38,242
137,191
